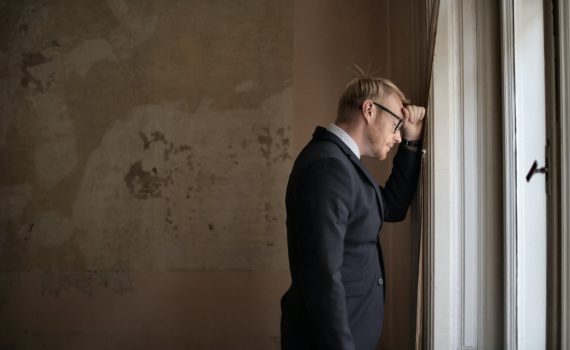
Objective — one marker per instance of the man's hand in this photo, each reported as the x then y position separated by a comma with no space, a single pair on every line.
413,122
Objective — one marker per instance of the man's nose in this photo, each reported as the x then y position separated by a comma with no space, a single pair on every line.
398,136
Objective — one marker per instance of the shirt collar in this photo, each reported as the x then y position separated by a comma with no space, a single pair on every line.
345,137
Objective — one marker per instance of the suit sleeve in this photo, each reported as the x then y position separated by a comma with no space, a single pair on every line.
401,185
326,193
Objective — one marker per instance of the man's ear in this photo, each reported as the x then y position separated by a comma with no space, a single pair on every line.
367,107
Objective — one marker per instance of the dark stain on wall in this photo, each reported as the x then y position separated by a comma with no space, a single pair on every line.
144,184
155,136
265,141
32,60
283,146
271,150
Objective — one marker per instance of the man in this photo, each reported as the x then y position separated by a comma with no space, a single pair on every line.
334,213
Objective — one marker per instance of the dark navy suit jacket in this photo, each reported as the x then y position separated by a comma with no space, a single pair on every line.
335,210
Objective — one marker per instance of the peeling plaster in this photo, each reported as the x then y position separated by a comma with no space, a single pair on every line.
136,135
187,166
43,70
86,54
144,184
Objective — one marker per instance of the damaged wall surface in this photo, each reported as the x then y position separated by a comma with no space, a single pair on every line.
142,142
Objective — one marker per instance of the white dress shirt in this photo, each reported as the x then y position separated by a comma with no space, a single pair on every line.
345,137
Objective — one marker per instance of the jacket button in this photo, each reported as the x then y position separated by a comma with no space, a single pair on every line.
380,281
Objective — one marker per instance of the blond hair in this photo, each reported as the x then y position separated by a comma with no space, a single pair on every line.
362,88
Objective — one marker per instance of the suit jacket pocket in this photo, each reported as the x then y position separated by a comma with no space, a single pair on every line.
354,288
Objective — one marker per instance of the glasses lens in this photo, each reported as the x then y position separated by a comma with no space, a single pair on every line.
400,120
399,125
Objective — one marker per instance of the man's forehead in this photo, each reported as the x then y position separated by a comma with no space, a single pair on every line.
394,100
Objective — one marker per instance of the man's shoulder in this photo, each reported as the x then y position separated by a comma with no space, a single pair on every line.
321,156
319,149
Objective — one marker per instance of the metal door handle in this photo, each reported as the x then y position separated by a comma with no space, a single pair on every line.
534,169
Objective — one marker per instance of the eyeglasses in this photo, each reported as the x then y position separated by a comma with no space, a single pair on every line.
400,120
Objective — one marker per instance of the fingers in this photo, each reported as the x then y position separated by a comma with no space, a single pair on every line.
413,114
406,113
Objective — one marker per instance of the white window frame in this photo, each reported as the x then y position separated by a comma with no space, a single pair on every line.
525,246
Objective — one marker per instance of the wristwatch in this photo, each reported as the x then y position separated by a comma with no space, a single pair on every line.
412,145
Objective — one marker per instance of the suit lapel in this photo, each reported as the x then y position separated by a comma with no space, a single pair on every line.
322,133
366,173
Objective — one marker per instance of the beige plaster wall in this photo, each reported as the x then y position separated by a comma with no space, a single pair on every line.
144,152
144,148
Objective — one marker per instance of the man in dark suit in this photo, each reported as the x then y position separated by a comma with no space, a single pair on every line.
335,210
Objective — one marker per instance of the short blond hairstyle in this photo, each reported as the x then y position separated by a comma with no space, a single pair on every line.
363,88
